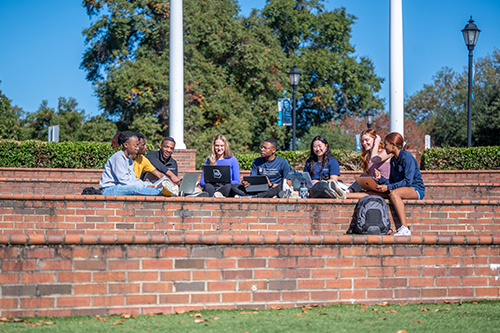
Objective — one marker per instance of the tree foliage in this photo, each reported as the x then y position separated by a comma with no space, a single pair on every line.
11,120
440,108
235,67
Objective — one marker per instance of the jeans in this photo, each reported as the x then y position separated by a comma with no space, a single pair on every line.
130,190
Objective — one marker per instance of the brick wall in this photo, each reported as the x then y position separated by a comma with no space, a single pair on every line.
90,275
76,214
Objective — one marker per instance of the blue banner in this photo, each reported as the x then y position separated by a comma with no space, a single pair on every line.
285,112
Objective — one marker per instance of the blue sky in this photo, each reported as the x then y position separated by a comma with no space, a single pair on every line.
43,45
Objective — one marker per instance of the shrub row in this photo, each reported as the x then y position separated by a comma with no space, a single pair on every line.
93,155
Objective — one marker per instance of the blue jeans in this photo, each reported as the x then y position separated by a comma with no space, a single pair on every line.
131,190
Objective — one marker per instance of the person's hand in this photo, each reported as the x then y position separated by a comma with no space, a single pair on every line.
376,174
381,188
245,183
269,182
176,180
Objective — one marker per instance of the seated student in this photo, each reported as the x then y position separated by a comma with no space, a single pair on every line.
321,165
118,177
275,168
221,154
162,160
373,157
141,163
405,180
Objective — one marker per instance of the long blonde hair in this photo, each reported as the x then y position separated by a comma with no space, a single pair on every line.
212,158
366,154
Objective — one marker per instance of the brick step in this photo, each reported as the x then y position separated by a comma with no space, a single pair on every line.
77,214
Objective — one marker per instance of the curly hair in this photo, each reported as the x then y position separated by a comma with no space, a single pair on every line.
366,154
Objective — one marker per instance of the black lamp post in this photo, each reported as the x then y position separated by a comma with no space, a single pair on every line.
294,75
369,118
471,33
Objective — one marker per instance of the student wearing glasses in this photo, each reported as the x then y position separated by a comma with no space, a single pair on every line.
118,176
405,179
275,168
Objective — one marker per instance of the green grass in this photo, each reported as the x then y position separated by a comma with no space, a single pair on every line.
483,316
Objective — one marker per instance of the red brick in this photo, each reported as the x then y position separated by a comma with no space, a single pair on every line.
325,252
353,251
251,263
324,295
237,252
380,251
206,275
108,276
37,277
352,294
431,293
352,272
367,262
141,299
215,286
474,281
157,264
89,265
267,274
205,298
338,283
421,282
125,264
481,292
73,301
73,277
165,287
18,265
32,303
54,265
89,289
266,252
8,303
236,297
394,282
221,263
311,284
174,252
379,294
75,252
124,288
339,262
142,276
266,297
282,262
448,281
141,252
408,272
39,253
384,272
366,283
460,292
108,300
174,299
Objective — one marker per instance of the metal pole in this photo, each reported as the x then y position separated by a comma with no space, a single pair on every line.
293,114
469,104
396,69
369,126
176,103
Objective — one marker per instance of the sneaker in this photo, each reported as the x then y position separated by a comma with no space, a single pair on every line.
218,195
169,189
285,193
199,195
403,231
245,196
336,189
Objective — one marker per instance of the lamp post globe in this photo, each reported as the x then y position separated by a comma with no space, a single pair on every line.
471,34
294,76
368,115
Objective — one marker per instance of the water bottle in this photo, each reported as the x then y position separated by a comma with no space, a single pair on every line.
303,190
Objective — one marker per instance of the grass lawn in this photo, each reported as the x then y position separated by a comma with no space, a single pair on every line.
483,316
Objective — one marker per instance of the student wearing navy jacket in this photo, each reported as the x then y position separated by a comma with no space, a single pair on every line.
405,179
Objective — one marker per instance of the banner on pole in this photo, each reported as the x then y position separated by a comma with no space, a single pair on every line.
285,112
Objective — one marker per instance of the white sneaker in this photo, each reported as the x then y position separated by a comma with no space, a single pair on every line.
403,231
336,189
218,195
169,188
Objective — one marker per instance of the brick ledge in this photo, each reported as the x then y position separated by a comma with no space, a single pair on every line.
119,239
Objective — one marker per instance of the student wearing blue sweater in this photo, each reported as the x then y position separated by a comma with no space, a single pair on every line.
405,179
221,154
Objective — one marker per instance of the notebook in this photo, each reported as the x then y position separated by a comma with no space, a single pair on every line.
367,183
300,177
257,184
217,174
188,183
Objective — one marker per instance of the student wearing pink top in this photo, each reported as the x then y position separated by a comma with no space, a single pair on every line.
373,157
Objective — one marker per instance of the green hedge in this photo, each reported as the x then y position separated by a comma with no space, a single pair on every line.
92,155
39,154
476,158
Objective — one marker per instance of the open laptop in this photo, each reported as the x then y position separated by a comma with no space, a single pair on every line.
257,184
367,183
300,177
217,174
188,183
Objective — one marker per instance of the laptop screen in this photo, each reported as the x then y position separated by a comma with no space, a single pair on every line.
217,174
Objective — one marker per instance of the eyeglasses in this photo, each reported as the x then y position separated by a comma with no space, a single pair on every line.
264,147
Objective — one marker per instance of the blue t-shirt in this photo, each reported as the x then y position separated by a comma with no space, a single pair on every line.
276,170
331,168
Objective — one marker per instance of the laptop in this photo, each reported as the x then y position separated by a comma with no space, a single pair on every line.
216,174
188,183
300,177
367,183
257,184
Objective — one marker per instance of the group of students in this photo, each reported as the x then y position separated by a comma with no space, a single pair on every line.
129,171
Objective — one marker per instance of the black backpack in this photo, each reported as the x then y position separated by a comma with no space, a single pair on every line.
371,217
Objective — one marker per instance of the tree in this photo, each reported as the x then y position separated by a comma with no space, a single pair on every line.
441,107
98,129
332,133
333,83
12,123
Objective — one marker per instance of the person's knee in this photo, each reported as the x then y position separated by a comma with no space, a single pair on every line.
394,196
